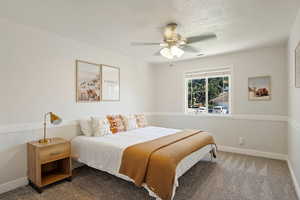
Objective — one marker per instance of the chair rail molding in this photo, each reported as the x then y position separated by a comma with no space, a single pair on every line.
294,123
14,128
281,118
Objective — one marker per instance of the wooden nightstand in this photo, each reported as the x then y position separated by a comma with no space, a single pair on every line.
48,163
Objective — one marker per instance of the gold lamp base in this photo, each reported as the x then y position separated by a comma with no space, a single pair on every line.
44,141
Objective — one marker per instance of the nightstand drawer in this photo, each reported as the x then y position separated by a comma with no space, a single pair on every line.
54,152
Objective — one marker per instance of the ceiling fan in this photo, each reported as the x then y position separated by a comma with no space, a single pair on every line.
174,44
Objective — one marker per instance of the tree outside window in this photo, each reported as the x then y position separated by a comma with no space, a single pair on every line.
208,95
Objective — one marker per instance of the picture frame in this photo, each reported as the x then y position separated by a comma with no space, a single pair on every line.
110,83
88,82
259,88
297,66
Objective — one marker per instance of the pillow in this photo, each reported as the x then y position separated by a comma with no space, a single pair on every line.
141,120
100,126
86,126
116,123
129,122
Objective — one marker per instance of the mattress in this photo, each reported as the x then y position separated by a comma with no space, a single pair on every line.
105,153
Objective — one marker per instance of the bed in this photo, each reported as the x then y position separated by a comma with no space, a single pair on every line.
105,153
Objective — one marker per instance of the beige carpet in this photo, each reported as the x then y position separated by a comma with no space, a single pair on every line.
230,177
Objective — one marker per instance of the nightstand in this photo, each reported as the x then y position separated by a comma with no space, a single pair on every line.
48,163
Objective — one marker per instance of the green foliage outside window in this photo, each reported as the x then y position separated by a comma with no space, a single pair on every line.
196,96
218,88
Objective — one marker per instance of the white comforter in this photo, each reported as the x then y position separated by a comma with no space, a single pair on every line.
105,153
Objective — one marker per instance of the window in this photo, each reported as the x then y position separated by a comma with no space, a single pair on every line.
208,91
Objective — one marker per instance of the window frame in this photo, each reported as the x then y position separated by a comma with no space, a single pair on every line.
206,77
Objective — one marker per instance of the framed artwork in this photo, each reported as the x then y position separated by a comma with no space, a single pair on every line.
297,66
259,88
110,83
88,82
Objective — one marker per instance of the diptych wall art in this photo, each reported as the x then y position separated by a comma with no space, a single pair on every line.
88,81
97,82
110,83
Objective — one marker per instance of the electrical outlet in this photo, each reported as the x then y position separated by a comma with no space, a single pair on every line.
241,141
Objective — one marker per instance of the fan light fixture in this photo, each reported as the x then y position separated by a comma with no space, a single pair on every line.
177,51
166,52
171,52
174,45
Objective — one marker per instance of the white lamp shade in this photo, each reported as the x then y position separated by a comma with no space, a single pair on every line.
175,51
166,52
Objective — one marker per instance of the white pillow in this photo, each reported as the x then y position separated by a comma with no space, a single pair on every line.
86,126
101,126
141,120
129,122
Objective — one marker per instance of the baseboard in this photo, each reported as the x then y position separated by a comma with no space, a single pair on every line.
24,181
5,187
296,184
252,152
11,185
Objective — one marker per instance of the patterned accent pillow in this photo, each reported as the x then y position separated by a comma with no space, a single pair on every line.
116,123
86,126
141,120
100,126
129,122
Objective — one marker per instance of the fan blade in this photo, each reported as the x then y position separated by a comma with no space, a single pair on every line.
145,43
189,48
200,38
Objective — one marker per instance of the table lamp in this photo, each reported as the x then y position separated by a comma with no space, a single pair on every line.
55,120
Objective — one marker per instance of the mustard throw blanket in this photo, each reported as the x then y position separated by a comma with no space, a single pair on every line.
154,162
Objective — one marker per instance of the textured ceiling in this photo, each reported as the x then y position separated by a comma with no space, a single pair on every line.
113,24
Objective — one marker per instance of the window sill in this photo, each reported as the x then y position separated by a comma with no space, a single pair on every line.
208,115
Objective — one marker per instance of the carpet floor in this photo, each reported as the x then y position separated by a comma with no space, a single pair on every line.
230,177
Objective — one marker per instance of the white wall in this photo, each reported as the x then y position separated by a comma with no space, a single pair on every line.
37,74
262,124
38,67
294,103
258,62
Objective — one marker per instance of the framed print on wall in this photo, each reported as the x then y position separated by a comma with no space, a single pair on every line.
297,66
88,81
259,88
110,83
